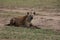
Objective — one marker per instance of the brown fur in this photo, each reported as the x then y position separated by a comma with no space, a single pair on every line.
17,21
22,20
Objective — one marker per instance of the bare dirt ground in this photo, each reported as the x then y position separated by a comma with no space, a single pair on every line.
44,19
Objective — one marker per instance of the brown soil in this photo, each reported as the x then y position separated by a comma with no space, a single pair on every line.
43,15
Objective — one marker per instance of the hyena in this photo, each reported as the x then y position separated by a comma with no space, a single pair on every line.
22,20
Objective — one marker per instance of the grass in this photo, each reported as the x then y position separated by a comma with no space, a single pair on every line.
30,3
20,33
28,34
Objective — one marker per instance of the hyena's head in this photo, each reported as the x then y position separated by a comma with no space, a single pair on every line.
30,16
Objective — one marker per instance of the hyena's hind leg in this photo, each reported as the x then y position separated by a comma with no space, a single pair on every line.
12,22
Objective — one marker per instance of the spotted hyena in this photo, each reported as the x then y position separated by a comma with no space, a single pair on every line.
22,20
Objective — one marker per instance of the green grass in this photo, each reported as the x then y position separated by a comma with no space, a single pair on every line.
29,3
28,34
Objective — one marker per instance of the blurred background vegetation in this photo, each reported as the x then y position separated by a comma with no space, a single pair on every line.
30,3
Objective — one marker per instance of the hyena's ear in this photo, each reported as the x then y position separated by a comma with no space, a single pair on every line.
34,13
27,13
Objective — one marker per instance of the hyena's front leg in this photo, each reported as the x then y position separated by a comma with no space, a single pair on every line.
28,24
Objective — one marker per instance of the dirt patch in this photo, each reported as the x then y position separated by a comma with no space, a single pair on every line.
46,20
52,12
